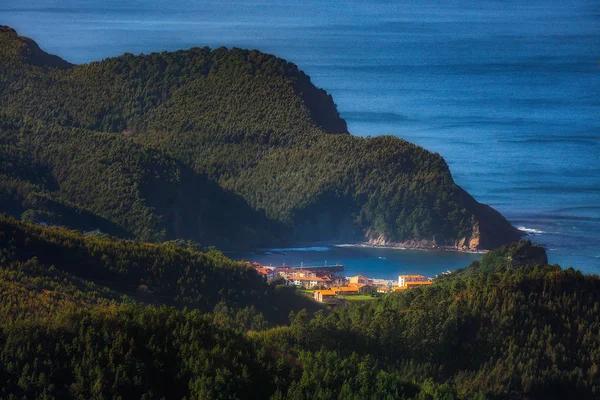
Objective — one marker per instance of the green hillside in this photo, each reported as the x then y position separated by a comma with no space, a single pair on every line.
497,330
92,316
233,148
106,270
107,169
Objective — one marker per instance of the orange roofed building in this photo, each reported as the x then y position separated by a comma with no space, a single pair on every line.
345,290
323,296
409,285
404,279
267,273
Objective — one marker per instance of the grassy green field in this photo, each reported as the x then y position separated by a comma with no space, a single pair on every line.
358,298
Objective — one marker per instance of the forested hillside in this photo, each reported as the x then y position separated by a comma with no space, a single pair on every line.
97,317
106,269
226,147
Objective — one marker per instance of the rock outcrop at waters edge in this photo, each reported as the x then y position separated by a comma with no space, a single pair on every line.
228,147
491,229
465,244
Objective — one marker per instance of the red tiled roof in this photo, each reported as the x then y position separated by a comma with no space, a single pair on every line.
345,289
326,292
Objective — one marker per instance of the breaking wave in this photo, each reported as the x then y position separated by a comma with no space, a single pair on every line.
531,231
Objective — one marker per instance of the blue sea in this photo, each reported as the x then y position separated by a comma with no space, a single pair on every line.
381,263
508,92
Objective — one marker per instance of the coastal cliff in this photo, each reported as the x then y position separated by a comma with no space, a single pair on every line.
229,147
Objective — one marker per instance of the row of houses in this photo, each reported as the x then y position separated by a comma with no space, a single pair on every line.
306,278
361,284
329,286
330,294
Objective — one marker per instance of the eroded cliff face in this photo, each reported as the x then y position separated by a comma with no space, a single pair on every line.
476,241
379,240
490,229
471,243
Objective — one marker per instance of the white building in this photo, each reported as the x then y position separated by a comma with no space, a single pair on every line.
402,279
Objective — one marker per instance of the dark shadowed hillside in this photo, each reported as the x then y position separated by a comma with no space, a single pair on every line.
95,317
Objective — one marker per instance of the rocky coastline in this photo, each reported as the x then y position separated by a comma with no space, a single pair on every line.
420,245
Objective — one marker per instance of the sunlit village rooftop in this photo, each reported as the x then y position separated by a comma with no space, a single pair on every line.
326,286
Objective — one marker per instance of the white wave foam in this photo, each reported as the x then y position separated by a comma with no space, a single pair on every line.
531,231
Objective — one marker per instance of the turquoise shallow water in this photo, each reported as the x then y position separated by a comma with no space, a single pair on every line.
372,262
508,93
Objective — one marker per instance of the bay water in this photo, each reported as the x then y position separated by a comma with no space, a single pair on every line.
507,92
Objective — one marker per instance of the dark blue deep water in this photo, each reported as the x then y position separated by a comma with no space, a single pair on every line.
507,91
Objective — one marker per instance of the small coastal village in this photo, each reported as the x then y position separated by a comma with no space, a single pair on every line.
325,284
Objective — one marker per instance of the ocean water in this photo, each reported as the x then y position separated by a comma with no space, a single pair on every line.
508,92
378,263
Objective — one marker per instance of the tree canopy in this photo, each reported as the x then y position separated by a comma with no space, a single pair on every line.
92,316
227,147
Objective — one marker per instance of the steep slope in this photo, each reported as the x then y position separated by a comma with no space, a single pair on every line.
86,180
251,125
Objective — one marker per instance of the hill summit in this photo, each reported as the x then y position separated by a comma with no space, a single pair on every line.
16,46
228,147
